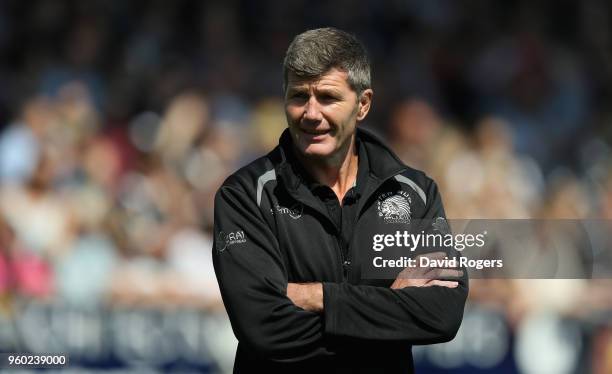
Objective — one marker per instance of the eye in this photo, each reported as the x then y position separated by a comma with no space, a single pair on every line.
328,98
299,96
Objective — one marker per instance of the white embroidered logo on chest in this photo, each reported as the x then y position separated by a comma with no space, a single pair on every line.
394,208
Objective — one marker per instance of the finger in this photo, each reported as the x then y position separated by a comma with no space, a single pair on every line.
444,273
419,270
403,283
433,255
441,283
423,271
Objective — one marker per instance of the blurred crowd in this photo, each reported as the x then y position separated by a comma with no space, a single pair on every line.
119,120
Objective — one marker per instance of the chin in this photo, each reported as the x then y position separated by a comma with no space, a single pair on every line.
317,150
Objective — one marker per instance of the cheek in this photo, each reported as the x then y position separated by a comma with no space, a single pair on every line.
344,115
346,123
292,113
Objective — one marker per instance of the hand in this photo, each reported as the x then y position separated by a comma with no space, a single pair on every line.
427,276
308,296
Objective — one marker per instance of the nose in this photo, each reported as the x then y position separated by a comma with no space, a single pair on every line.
312,111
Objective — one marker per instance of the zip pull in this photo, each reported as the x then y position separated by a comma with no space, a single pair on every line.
346,265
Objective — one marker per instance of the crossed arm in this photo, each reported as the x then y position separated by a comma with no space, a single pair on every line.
291,322
309,296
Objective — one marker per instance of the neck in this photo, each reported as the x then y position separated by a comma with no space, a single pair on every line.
338,172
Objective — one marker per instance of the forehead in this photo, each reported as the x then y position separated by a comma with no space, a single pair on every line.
333,78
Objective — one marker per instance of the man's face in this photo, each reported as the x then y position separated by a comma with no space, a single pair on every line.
322,112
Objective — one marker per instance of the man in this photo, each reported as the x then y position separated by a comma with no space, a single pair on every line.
293,232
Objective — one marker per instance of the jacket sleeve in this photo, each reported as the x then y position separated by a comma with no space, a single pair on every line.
418,315
253,282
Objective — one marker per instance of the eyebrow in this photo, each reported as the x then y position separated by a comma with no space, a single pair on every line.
297,88
303,88
329,90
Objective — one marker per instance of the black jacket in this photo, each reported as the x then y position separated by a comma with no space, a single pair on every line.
270,229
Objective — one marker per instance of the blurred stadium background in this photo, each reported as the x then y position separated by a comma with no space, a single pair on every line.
120,119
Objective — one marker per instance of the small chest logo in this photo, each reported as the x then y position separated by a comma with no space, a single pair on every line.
294,212
394,208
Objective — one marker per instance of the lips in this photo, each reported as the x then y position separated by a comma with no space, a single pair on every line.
315,132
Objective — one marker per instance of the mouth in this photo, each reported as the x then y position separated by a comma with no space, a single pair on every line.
315,132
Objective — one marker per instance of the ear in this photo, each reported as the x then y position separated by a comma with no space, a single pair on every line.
365,101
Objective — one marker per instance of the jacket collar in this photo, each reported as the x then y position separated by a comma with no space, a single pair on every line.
383,162
380,164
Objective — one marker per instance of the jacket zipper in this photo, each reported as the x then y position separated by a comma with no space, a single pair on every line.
344,261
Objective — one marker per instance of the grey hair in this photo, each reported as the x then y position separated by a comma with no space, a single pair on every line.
314,52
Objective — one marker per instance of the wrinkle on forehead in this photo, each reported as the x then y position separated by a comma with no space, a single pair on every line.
333,77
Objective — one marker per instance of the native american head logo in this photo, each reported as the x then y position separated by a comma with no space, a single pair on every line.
395,209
